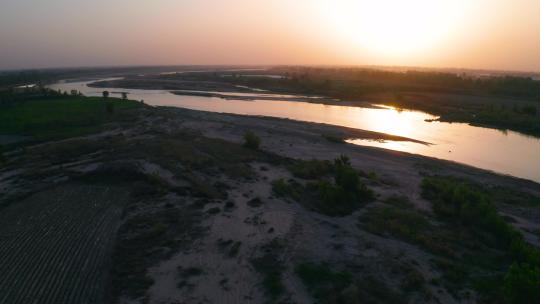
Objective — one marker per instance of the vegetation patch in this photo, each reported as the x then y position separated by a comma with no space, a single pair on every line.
403,223
271,267
251,140
46,119
324,284
465,206
198,153
338,191
329,286
334,139
145,239
311,169
287,189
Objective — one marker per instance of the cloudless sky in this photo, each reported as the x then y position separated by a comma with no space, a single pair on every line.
493,34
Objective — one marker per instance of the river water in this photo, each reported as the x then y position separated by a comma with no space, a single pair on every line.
503,152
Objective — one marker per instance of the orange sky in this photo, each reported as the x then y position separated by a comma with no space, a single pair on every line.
494,34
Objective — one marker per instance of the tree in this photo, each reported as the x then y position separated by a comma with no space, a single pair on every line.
105,94
124,95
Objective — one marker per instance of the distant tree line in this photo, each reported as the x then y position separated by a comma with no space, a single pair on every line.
13,95
355,81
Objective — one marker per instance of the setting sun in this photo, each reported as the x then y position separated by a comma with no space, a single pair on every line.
396,28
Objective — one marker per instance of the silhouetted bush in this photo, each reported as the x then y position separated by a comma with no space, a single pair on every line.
251,140
334,139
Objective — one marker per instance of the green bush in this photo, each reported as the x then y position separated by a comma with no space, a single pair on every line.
311,169
251,140
467,204
523,252
405,224
282,188
335,197
335,200
522,284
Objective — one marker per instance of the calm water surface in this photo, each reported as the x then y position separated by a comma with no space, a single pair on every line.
504,152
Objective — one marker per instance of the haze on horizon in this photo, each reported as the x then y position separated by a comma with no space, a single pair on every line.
486,34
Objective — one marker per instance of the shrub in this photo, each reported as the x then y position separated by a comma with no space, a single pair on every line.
334,139
271,267
521,284
467,204
346,177
332,200
251,140
335,200
311,169
342,160
324,284
522,252
405,224
292,189
337,197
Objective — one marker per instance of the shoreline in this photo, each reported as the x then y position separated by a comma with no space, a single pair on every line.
316,131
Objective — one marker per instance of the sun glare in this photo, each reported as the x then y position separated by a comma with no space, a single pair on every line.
396,27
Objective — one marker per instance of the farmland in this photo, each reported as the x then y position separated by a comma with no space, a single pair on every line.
56,244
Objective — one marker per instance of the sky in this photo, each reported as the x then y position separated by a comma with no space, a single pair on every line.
483,34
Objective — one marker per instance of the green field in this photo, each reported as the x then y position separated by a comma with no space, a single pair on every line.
45,119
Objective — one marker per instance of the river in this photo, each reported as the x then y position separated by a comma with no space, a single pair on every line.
509,152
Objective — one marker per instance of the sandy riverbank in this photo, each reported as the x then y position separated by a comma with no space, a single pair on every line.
235,219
